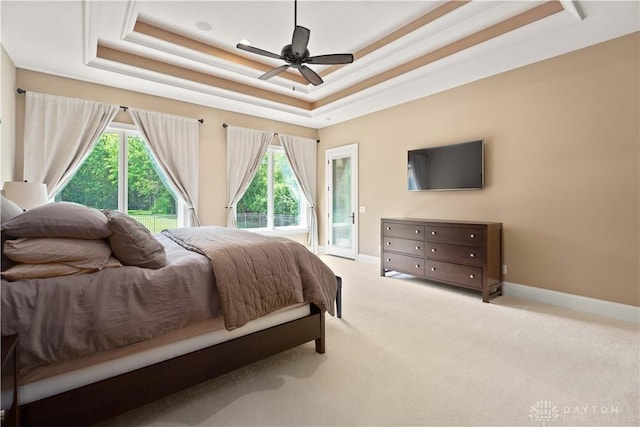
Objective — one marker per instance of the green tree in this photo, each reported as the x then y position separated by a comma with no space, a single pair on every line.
146,191
254,199
96,181
285,188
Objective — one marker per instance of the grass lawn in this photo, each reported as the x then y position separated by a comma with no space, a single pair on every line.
155,223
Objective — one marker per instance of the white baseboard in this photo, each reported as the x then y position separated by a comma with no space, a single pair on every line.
614,310
368,259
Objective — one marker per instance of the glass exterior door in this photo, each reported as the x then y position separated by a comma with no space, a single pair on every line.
342,200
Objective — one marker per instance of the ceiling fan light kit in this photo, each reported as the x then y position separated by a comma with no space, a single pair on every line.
296,55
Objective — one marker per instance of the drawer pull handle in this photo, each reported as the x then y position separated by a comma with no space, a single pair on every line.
388,259
417,248
388,228
471,276
433,233
417,231
433,269
388,243
417,265
433,249
473,236
472,255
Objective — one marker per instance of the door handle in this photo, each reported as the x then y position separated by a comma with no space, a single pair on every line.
353,217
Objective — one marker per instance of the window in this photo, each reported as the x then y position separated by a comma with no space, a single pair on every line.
121,174
274,199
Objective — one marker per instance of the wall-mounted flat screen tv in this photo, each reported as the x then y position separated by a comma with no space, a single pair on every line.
447,167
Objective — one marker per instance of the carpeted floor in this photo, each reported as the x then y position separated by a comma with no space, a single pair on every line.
411,353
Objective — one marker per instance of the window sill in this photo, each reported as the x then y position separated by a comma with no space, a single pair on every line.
284,231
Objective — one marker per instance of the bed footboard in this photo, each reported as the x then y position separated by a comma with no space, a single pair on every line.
104,399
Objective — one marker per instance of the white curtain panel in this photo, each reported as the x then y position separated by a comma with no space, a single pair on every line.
59,133
174,142
301,153
245,150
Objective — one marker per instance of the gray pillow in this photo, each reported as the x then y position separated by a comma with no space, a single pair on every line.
51,269
132,243
59,219
82,253
9,209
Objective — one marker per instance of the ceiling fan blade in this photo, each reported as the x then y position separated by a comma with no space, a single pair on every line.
310,75
336,58
300,40
262,52
274,72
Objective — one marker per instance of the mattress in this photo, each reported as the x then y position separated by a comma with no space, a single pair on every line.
47,381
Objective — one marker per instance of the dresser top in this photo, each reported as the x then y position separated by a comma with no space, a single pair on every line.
441,221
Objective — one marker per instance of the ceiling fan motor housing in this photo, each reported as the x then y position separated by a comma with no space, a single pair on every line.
288,55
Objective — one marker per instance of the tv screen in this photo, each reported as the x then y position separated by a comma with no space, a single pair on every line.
447,167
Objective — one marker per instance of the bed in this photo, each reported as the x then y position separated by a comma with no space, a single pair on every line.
145,316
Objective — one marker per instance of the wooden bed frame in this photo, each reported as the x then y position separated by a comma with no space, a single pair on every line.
107,398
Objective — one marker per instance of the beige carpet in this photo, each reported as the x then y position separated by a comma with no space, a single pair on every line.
410,353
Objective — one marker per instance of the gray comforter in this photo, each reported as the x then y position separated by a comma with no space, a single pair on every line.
256,275
61,318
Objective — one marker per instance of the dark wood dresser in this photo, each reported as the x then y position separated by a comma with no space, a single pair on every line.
460,253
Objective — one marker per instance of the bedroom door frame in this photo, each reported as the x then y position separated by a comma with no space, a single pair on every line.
350,249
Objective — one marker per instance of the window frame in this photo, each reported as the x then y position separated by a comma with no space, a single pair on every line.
303,206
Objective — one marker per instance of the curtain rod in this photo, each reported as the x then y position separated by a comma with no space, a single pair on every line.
22,92
224,125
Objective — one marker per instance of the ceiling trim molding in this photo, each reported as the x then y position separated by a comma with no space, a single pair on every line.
115,55
152,30
525,18
89,37
412,26
571,7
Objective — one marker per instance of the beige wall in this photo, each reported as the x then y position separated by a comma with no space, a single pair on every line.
213,187
562,171
7,113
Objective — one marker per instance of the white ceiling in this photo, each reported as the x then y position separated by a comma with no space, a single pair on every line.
62,38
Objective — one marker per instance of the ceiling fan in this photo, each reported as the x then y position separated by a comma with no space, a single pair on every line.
296,55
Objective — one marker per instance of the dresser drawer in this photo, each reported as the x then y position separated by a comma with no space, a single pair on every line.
470,277
409,247
465,236
406,231
403,263
471,255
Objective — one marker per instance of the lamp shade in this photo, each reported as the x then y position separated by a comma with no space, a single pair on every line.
27,195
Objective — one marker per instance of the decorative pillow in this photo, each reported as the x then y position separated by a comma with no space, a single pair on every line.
9,209
81,253
43,271
132,243
59,219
